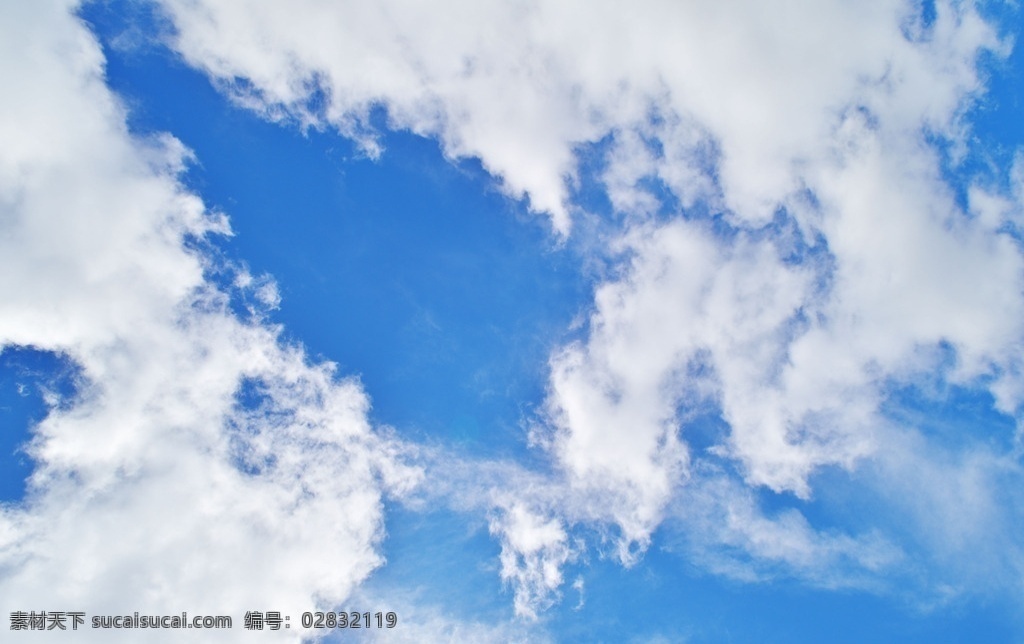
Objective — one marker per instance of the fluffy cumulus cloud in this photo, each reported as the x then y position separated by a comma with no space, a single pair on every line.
198,446
786,248
519,84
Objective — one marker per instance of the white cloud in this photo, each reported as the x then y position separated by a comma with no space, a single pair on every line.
520,84
688,315
157,489
534,548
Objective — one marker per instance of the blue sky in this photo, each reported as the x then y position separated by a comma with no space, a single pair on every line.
698,324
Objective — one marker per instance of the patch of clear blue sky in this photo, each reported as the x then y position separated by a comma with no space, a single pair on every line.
414,273
30,381
445,297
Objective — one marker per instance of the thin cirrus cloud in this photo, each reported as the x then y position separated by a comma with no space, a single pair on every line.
788,249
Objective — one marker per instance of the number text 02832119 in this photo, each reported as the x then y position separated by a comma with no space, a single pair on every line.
344,619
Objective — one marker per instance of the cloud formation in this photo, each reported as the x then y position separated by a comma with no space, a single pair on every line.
786,246
160,476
